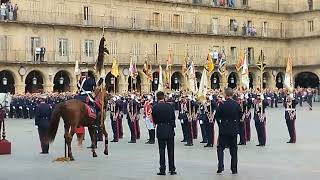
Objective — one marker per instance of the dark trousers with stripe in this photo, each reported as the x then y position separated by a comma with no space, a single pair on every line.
132,128
291,129
248,128
242,133
261,131
210,132
115,127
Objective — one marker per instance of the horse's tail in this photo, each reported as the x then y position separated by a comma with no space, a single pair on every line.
54,122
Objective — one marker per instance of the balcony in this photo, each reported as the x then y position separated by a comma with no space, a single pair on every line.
128,24
254,5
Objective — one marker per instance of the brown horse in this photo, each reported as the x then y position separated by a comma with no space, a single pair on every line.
74,114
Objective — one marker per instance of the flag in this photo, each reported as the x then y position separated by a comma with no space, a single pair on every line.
245,73
76,68
191,78
133,69
185,64
115,68
147,69
288,79
222,62
160,83
102,50
240,61
203,88
209,64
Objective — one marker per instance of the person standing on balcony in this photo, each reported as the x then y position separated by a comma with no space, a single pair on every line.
15,12
42,52
37,53
2,11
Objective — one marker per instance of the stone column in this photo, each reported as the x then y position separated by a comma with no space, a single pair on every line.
19,88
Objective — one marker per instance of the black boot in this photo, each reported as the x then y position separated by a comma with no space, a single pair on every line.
152,136
148,142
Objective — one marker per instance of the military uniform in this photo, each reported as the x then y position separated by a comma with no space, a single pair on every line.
132,116
42,119
209,123
182,107
290,116
115,114
260,120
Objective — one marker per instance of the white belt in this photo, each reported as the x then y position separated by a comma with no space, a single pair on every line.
85,92
290,109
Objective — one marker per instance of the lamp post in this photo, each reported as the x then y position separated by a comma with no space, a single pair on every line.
4,81
214,80
232,80
155,80
34,81
176,81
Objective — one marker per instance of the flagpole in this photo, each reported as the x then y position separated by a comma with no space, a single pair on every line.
114,85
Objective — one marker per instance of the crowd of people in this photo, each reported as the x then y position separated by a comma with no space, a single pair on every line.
8,11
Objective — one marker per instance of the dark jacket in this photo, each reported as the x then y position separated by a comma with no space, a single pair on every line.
43,114
228,116
164,117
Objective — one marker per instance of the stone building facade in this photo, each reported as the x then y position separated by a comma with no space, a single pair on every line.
147,29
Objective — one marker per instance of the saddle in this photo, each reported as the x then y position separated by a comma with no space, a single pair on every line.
91,112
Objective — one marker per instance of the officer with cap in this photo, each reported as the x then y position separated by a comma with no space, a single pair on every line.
42,119
290,116
260,119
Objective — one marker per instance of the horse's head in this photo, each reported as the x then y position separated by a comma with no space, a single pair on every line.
5,101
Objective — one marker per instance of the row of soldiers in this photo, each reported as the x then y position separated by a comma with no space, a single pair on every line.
194,113
24,106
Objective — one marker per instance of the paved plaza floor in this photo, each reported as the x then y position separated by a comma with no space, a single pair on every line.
277,161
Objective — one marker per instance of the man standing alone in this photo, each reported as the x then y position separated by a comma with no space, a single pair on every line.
228,117
164,117
42,118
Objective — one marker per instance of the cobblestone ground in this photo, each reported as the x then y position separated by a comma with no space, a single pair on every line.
278,160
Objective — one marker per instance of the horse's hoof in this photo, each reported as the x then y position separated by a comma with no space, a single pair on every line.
94,155
106,152
71,158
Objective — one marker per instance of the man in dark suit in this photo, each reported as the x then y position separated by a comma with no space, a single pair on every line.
228,117
42,118
164,117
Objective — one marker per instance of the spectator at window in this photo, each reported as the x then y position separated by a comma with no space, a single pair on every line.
231,3
222,2
244,29
42,52
215,56
15,12
2,11
37,52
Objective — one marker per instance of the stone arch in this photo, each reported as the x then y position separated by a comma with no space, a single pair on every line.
280,80
7,81
155,80
61,81
176,81
198,78
251,80
135,85
266,77
215,80
34,82
306,79
233,80
112,83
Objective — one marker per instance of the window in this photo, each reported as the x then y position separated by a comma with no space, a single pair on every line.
310,26
196,51
35,43
134,19
136,50
156,51
250,55
249,23
233,25
233,51
88,48
245,2
86,13
156,19
214,25
265,28
63,47
175,21
113,48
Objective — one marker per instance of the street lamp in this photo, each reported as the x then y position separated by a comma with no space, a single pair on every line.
215,80
175,80
264,80
155,80
112,81
61,80
279,80
4,81
134,81
34,81
232,80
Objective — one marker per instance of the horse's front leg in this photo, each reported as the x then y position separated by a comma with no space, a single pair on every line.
93,140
